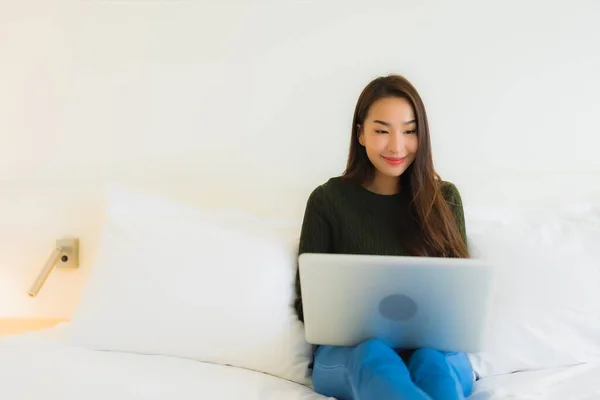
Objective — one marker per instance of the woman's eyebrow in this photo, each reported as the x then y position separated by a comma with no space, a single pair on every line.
388,124
382,122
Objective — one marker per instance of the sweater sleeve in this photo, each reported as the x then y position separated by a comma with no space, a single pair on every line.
315,235
454,200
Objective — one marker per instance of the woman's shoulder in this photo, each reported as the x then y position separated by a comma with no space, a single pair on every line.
331,193
332,188
450,192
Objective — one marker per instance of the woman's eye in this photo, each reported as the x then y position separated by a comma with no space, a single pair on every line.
411,132
381,131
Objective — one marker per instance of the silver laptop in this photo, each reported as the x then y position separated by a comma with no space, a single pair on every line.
408,302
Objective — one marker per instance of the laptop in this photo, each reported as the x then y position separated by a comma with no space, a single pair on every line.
407,302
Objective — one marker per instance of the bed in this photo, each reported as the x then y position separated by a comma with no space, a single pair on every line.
38,365
34,367
578,382
161,317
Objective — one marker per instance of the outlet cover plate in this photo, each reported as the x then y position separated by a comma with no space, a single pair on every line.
69,256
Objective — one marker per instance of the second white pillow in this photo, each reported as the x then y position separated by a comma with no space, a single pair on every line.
173,280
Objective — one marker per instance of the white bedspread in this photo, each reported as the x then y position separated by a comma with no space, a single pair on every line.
580,382
36,366
33,368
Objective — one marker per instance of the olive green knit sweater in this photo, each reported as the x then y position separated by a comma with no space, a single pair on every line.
343,217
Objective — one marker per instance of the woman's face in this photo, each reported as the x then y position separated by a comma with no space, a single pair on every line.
389,135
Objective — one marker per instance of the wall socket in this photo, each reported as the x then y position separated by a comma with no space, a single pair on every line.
69,254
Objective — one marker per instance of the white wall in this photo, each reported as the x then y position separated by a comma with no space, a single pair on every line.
187,97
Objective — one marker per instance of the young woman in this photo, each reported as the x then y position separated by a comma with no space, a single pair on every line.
389,201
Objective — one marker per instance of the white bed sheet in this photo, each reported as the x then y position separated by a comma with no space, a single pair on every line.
578,382
34,366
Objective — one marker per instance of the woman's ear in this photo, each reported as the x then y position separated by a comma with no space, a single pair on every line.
360,135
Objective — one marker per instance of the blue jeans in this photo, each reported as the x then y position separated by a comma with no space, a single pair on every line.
374,371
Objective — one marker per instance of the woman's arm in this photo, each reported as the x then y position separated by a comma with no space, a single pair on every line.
315,236
454,200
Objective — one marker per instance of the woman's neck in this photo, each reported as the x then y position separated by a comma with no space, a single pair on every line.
383,184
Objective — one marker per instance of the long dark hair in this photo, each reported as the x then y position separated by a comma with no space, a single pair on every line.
438,230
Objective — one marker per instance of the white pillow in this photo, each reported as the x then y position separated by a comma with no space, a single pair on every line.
211,286
546,311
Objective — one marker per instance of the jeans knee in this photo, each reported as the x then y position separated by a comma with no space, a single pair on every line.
424,356
374,354
426,353
371,346
427,362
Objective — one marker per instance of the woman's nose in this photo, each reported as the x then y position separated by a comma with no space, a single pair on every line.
396,143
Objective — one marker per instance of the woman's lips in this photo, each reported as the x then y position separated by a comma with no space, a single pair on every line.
394,160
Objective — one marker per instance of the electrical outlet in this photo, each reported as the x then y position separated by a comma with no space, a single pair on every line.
69,254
